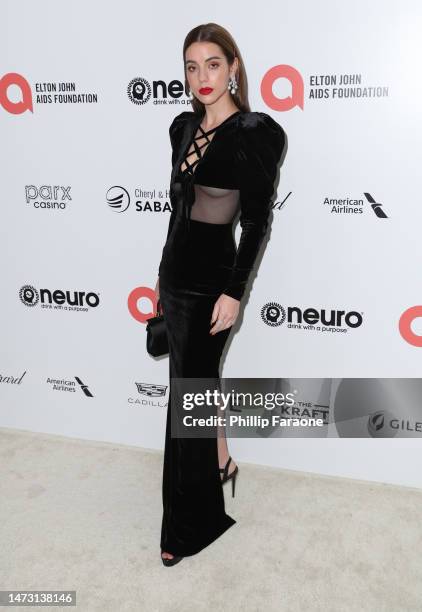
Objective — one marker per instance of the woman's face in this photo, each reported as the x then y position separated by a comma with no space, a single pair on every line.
207,71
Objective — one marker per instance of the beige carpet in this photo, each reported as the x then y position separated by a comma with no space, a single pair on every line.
86,516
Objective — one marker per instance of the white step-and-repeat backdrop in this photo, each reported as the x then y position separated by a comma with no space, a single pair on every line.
87,93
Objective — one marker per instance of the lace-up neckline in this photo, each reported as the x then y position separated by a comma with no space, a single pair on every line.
198,149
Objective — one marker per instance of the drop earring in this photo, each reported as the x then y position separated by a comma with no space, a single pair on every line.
190,94
233,85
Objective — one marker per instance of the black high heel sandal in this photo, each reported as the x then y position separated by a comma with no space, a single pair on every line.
227,476
172,561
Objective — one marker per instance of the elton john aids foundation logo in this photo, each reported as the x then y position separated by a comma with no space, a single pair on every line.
283,71
321,85
24,103
407,319
139,297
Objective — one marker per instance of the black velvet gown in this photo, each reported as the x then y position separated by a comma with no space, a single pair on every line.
232,168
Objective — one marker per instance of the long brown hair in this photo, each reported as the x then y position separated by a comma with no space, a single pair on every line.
212,32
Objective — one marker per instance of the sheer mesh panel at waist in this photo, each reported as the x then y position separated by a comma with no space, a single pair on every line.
215,205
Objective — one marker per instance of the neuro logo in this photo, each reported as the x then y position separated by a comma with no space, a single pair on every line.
118,198
273,314
376,206
139,91
283,71
59,299
29,295
25,103
323,320
405,325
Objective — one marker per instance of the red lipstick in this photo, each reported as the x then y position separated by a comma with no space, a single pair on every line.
205,90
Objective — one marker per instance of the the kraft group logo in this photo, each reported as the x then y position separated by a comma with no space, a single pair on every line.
405,325
57,299
311,319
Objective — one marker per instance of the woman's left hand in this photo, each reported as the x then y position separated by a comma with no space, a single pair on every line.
224,314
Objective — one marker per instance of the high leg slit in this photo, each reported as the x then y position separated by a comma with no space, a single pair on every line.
231,172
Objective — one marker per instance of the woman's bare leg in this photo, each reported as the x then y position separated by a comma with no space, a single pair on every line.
223,451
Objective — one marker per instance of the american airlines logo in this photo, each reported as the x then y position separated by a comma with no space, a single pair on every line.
354,206
68,385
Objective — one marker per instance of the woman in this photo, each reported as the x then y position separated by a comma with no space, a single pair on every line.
224,160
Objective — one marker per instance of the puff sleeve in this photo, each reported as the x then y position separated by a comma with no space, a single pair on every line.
176,129
261,142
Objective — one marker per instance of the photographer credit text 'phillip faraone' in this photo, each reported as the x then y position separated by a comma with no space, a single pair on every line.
222,401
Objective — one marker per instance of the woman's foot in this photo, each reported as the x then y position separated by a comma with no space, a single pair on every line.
168,559
232,468
166,555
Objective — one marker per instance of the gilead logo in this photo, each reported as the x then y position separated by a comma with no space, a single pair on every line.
16,108
405,325
283,71
132,303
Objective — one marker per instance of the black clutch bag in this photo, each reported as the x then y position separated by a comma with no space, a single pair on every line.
157,341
